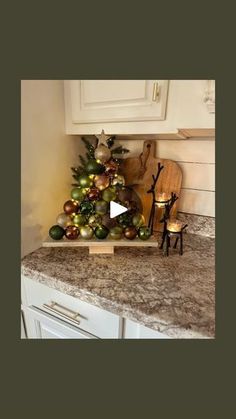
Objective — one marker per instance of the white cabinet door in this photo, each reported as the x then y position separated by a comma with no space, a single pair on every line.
93,101
134,330
41,325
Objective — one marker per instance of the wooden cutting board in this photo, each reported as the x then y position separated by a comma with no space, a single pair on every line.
138,173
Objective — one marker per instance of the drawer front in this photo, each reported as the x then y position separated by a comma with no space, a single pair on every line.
44,326
91,319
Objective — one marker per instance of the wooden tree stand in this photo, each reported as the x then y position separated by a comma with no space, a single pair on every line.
97,246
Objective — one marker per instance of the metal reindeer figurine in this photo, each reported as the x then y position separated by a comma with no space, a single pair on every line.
166,216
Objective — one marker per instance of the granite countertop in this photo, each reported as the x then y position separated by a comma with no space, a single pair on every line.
174,295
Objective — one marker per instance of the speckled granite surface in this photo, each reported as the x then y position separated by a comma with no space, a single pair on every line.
198,224
174,295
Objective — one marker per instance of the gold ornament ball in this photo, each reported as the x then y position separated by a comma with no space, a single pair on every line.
86,232
102,153
94,220
101,182
64,220
119,180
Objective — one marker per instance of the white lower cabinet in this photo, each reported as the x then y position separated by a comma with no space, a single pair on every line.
133,330
51,314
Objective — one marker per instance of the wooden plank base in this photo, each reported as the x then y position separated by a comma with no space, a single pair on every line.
100,246
101,249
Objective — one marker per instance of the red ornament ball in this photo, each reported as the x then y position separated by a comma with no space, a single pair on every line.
93,194
71,207
130,232
111,168
72,232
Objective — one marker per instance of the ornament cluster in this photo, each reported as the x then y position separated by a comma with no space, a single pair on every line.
86,213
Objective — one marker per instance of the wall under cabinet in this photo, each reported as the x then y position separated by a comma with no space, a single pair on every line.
196,158
46,156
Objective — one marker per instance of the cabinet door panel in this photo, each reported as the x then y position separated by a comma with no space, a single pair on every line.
93,101
133,330
44,326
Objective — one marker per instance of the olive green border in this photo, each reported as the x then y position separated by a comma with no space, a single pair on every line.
123,378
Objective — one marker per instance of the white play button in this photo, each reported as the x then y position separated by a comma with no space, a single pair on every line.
116,209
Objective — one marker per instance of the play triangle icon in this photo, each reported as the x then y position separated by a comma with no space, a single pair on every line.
116,209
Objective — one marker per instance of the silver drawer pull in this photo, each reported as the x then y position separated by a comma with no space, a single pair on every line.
56,308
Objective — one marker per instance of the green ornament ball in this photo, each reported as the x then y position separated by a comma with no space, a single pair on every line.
101,232
78,194
86,232
109,194
56,232
125,220
144,233
138,220
101,207
116,232
92,167
86,207
79,219
85,181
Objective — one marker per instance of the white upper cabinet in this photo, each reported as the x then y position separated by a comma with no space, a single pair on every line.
136,106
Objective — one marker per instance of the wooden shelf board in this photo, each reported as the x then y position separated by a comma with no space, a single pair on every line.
152,242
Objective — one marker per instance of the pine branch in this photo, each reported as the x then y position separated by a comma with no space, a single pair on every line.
82,160
75,169
119,150
110,141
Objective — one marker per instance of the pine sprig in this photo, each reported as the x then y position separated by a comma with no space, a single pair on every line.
119,150
110,141
82,160
90,148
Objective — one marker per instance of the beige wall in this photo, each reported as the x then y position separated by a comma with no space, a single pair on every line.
46,157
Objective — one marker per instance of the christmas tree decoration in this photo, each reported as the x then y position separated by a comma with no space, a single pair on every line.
93,194
56,232
79,220
101,182
72,232
71,207
86,207
144,233
102,153
99,186
138,220
109,194
130,232
101,207
101,232
116,232
78,194
86,232
64,220
92,167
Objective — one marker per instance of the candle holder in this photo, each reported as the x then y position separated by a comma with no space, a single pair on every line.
173,229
